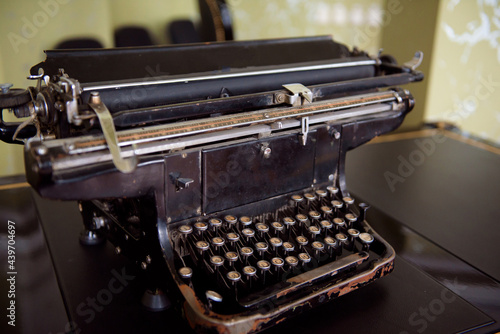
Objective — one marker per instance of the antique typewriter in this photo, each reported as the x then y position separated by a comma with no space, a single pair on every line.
222,163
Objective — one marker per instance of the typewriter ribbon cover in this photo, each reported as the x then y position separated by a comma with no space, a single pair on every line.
223,169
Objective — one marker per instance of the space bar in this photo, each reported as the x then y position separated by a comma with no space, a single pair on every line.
308,278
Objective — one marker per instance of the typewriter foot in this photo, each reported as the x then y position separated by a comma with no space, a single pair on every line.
155,300
91,238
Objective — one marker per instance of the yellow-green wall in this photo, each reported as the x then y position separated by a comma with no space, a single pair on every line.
465,75
28,27
456,65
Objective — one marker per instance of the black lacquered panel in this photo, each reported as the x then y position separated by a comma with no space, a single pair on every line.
442,188
246,172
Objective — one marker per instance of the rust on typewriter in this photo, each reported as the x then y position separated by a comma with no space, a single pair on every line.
221,174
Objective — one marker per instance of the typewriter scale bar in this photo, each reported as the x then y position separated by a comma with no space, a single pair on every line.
92,149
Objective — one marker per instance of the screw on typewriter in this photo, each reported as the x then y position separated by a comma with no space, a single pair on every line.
231,202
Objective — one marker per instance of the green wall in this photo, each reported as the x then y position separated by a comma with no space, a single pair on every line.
457,37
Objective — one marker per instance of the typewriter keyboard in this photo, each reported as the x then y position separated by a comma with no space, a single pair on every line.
241,261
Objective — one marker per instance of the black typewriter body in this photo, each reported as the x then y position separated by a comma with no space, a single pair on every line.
226,177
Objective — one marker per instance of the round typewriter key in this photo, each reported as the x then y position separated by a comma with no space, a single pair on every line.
350,219
215,223
321,193
249,271
339,224
230,220
232,237
297,199
246,252
315,215
248,233
353,233
341,240
233,276
366,239
261,247
292,261
302,241
332,190
212,297
277,263
217,261
185,229
185,272
337,205
262,228
331,244
313,232
200,227
309,197
275,243
217,242
302,219
231,257
318,247
304,258
263,266
326,225
326,210
348,200
278,227
202,246
288,247
245,221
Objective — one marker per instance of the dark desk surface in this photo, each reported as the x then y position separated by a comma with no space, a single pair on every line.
441,221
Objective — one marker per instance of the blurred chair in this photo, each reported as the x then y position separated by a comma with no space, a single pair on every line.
182,32
80,43
132,36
